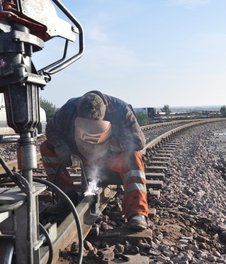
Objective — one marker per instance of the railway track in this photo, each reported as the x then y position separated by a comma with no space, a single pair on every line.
189,224
157,155
153,133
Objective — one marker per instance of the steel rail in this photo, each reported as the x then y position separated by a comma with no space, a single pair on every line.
167,123
165,136
66,231
13,163
13,139
174,122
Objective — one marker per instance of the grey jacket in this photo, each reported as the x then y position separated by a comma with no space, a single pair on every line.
126,132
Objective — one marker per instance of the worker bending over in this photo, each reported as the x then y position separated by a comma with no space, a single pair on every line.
104,133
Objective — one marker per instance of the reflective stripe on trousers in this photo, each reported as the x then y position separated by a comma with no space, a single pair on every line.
135,197
134,173
130,166
136,186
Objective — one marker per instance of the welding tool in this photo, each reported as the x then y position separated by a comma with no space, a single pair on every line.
93,191
24,27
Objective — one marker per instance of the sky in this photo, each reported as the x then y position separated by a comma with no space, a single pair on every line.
149,53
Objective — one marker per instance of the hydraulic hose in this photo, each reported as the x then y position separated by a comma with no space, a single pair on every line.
43,230
73,210
23,184
16,178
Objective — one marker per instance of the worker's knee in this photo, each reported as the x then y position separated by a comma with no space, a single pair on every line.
46,148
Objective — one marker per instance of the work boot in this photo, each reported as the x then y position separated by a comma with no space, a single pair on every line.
138,222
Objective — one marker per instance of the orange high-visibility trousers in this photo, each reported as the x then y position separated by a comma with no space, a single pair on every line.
55,172
129,166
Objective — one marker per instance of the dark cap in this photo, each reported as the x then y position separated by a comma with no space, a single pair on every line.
91,106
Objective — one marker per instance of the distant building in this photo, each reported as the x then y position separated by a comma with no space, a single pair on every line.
156,115
149,111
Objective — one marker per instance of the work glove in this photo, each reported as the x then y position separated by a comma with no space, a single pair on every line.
64,155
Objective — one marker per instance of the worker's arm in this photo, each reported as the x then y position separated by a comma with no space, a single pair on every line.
129,136
57,129
132,137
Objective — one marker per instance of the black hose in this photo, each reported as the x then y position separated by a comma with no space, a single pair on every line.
55,182
73,210
14,177
48,240
28,192
24,185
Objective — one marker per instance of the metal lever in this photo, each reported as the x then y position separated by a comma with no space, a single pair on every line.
52,70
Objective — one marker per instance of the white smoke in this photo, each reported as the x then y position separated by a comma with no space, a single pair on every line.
93,180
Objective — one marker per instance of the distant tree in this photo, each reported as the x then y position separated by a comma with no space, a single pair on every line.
49,107
166,109
142,119
223,110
